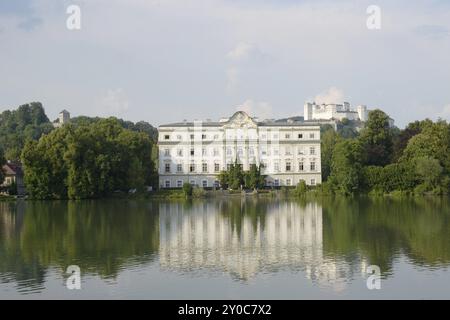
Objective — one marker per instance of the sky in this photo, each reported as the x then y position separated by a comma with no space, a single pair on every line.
164,61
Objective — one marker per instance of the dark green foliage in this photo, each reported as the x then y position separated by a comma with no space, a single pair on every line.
187,189
28,122
301,189
402,137
235,177
346,167
377,139
253,178
329,139
140,126
87,161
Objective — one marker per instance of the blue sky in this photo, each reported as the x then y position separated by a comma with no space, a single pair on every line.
168,60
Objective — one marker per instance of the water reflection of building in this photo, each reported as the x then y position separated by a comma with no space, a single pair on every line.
208,235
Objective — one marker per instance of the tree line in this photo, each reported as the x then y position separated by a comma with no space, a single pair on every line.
87,158
383,159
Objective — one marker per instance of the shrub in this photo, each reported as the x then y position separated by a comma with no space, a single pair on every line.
187,189
198,192
301,188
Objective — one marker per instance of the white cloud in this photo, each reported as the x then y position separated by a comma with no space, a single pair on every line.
241,51
263,110
113,103
332,95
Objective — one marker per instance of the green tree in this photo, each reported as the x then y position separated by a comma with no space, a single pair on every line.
433,142
346,166
329,140
235,176
253,178
401,139
301,188
187,189
429,171
376,139
28,122
87,161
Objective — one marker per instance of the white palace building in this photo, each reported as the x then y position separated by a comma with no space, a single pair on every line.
196,152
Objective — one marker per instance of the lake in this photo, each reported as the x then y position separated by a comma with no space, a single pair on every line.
230,248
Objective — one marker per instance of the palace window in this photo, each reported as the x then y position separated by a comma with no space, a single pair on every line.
287,136
312,151
204,152
300,135
192,167
276,167
179,184
276,182
166,152
288,182
203,136
313,166
311,135
179,167
300,166
204,167
166,137
288,166
192,137
167,184
205,183
179,137
313,182
167,168
180,152
216,167
192,152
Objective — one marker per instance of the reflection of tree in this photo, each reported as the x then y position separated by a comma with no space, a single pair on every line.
236,209
99,236
25,273
381,228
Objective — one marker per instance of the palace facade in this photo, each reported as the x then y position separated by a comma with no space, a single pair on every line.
196,152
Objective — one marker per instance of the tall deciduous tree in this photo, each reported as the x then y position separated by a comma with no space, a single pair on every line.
87,161
376,139
329,140
346,166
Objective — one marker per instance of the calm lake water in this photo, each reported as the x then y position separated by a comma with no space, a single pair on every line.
226,249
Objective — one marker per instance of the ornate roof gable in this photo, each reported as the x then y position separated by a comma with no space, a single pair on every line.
241,120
